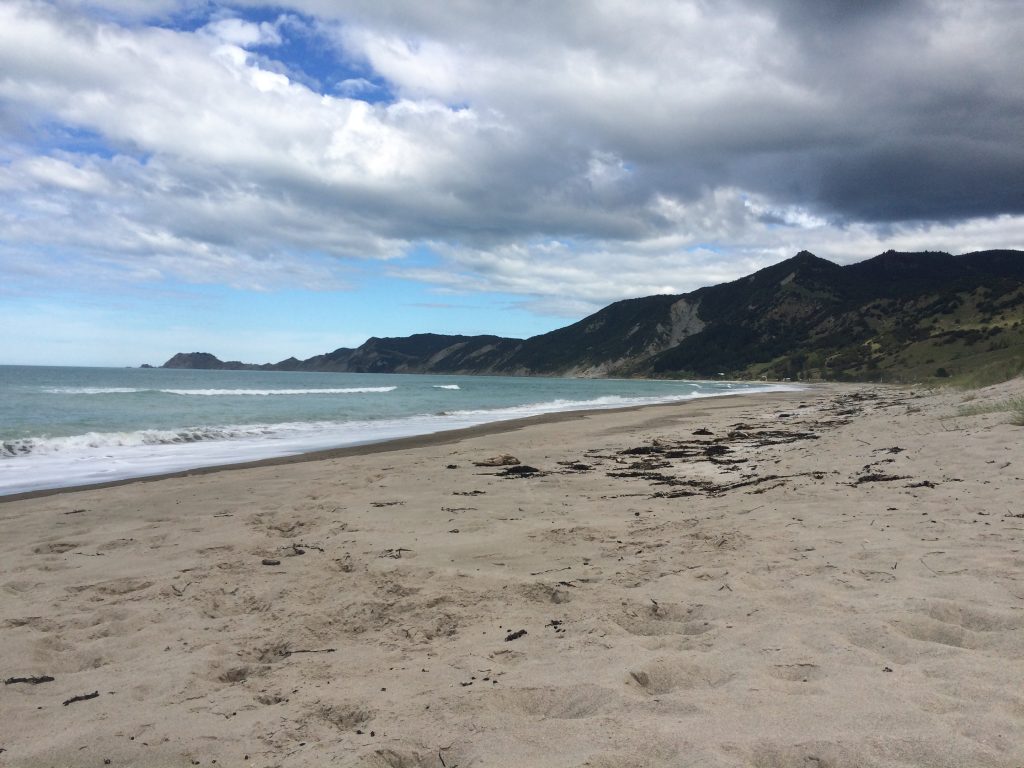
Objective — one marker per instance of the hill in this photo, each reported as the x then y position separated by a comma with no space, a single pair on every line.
897,316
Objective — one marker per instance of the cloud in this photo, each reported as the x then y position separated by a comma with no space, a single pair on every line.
52,172
817,103
569,153
244,34
571,279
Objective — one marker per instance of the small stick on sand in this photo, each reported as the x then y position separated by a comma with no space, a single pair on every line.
82,697
309,650
552,570
30,680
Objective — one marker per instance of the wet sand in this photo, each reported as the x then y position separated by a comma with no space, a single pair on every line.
833,577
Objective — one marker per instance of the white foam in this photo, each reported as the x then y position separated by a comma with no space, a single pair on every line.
447,386
271,392
97,441
218,392
92,390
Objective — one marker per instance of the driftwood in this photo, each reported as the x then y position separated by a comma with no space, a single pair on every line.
82,697
286,654
879,477
33,680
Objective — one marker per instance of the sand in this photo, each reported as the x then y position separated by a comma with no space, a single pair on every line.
829,578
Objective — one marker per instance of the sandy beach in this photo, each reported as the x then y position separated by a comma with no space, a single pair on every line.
833,577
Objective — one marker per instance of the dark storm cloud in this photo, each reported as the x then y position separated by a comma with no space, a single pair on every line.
928,111
812,18
878,111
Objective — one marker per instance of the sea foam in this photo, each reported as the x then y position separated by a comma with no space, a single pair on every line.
218,392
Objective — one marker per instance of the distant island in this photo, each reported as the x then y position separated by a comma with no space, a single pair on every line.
895,317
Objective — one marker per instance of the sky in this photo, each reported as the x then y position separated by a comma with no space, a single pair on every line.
264,180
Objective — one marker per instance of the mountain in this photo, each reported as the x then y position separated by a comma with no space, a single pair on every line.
204,361
419,353
897,316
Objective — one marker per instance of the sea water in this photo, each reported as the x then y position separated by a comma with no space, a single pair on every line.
65,426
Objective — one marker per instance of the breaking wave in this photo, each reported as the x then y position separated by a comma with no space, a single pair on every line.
217,392
93,390
446,386
92,441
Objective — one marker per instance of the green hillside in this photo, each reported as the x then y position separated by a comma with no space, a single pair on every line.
895,317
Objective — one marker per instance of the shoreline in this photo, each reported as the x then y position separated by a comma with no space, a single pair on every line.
442,437
825,577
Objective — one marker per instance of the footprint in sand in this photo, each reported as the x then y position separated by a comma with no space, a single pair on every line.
286,526
541,592
269,699
234,675
957,625
122,586
414,757
554,702
928,630
114,587
797,673
269,654
662,676
655,619
236,603
971,617
54,548
881,640
21,587
344,716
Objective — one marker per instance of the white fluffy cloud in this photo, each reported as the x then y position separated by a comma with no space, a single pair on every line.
244,34
570,153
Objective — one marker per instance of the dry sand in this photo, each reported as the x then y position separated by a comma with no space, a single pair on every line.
830,578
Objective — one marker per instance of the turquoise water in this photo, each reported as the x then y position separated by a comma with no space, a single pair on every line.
71,426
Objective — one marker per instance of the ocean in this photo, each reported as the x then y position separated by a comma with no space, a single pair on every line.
63,426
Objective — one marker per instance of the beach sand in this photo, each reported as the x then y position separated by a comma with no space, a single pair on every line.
833,577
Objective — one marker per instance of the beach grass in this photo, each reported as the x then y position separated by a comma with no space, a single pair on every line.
1014,406
1017,413
975,374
